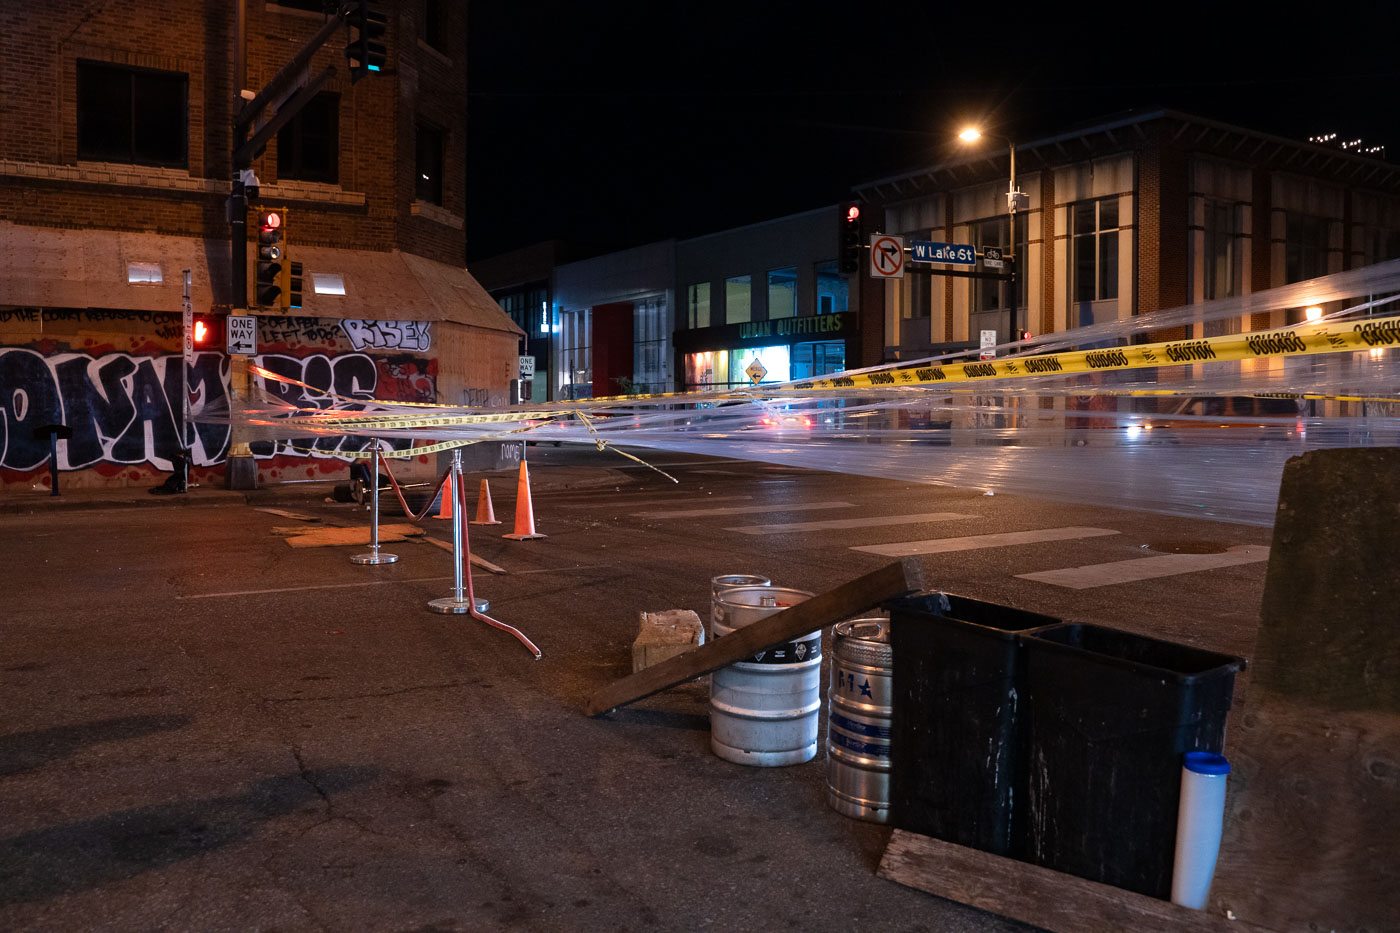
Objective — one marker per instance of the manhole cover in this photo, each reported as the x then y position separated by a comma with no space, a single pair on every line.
1187,547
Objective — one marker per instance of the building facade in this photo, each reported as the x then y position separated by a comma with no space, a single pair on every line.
1126,217
115,168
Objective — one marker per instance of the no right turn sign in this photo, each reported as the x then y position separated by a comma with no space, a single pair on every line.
886,256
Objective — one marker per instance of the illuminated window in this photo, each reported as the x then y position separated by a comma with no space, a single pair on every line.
738,299
144,273
427,170
327,283
698,305
782,293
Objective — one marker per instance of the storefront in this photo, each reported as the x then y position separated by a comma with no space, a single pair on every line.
786,349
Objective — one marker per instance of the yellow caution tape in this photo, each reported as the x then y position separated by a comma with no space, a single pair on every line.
1300,340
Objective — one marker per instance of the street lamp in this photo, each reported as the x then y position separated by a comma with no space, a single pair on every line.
1014,199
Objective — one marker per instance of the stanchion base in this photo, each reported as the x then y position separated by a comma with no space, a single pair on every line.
373,558
523,537
449,606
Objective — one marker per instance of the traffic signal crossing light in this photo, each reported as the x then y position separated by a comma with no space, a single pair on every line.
208,331
852,240
365,26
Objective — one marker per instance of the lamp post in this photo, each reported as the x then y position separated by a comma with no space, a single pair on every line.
1014,199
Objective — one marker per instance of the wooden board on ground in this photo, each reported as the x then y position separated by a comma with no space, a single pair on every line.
821,610
285,513
335,537
481,562
1039,896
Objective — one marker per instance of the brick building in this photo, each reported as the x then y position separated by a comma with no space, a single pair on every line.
1124,217
115,167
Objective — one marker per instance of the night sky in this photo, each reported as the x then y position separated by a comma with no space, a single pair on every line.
608,125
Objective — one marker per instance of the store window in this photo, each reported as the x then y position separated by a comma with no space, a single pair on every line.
707,370
775,360
782,293
738,299
427,176
308,148
697,302
833,290
1094,249
133,115
818,358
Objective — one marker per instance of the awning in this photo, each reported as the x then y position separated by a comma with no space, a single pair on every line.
45,267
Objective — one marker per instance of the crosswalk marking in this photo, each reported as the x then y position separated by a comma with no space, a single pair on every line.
1146,568
837,523
634,503
974,542
745,510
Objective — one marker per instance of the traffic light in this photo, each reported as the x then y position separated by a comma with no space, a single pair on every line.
365,25
852,240
289,276
269,273
293,292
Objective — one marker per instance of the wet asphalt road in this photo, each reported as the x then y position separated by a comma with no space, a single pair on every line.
205,729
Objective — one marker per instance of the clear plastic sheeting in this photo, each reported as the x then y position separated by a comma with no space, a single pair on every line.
1207,439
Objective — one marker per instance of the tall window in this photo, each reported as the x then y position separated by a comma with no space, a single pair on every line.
308,148
1379,244
649,344
738,299
427,174
833,290
698,305
133,115
995,294
782,292
1306,240
1224,259
1094,249
433,30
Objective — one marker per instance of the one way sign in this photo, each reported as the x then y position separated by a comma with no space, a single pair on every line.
886,256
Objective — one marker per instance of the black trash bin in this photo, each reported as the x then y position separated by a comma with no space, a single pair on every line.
956,771
1109,715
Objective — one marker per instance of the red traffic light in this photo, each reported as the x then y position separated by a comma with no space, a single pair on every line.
201,331
270,220
852,214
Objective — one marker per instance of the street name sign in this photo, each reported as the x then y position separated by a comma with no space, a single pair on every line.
886,256
958,254
242,335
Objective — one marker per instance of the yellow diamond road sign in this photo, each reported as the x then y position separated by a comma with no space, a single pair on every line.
756,370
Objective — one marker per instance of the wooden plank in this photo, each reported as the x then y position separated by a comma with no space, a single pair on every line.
1035,895
481,562
336,537
818,612
284,513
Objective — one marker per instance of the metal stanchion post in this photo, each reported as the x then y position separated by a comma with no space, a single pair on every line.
374,556
456,603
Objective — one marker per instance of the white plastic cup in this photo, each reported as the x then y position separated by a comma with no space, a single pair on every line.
1199,821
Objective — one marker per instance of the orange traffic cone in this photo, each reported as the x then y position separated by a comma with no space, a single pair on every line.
485,515
445,509
524,511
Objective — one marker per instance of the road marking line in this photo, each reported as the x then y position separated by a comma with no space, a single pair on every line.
835,523
745,510
1147,568
633,503
974,542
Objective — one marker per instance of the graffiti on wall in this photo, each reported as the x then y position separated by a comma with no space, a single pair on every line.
388,335
127,409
